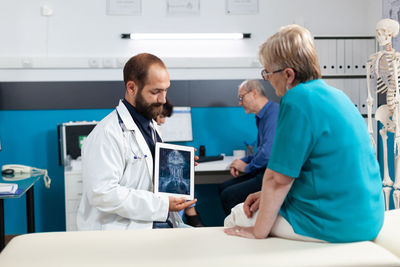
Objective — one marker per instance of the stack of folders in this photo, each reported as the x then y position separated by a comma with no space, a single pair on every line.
8,188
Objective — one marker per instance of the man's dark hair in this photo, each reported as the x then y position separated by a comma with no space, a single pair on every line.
137,68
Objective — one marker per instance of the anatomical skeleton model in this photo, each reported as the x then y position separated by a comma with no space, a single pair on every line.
385,67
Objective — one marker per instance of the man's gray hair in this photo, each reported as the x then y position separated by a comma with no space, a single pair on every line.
249,85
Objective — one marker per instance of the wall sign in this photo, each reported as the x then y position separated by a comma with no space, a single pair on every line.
124,7
236,7
183,7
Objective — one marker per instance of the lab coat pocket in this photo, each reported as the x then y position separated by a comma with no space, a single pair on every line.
134,168
133,155
131,161
136,173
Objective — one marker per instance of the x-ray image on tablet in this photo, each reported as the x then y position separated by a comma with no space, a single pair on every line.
174,170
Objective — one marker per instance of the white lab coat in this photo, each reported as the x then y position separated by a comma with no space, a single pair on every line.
117,171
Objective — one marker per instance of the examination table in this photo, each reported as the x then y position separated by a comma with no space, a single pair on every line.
189,247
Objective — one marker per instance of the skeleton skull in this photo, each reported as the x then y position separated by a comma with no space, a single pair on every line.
385,30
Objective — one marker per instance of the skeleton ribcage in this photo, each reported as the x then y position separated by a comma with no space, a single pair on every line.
385,78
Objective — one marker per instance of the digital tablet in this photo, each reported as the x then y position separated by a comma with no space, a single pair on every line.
174,171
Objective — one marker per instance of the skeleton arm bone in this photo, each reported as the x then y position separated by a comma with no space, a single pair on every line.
370,101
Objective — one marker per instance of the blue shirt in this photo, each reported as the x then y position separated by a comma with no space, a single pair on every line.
266,120
322,141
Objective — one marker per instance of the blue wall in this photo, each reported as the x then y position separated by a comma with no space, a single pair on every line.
222,130
30,138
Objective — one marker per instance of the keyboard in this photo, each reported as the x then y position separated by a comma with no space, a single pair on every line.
210,158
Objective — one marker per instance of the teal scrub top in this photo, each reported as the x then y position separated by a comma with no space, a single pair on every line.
322,141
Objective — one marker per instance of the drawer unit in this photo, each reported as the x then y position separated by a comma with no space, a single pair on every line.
73,195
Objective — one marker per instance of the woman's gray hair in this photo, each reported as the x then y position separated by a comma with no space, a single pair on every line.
249,85
291,47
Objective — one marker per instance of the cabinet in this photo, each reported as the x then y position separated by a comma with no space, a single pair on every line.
344,55
343,61
71,137
73,195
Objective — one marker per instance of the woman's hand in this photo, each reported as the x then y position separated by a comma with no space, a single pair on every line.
251,204
246,232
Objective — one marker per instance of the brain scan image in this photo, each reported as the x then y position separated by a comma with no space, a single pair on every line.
174,171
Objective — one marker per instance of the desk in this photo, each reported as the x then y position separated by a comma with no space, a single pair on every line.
213,172
24,186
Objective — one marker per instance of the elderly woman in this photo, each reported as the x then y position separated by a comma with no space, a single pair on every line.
323,181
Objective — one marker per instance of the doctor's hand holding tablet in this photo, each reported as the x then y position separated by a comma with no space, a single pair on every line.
178,204
174,174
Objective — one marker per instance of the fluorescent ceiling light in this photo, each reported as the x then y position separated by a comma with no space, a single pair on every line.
185,36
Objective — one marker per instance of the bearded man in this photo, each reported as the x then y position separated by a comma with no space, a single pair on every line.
118,157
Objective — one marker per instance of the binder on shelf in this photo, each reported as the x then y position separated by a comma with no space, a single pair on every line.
370,50
340,84
371,47
337,83
332,55
348,56
322,51
340,55
365,54
359,52
334,83
363,96
352,89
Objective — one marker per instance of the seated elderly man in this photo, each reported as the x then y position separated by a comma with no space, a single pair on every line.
248,172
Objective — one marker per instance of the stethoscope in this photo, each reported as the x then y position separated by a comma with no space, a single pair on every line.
121,124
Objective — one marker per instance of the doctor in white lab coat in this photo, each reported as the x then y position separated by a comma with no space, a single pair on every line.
117,157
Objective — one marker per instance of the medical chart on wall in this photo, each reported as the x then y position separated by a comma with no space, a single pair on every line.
124,7
391,10
241,7
183,7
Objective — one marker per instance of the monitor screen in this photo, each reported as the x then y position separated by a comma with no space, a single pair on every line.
71,136
178,127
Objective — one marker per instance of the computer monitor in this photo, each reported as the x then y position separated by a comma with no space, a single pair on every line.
178,127
71,136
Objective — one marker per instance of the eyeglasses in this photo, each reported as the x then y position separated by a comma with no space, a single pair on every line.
242,96
265,75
